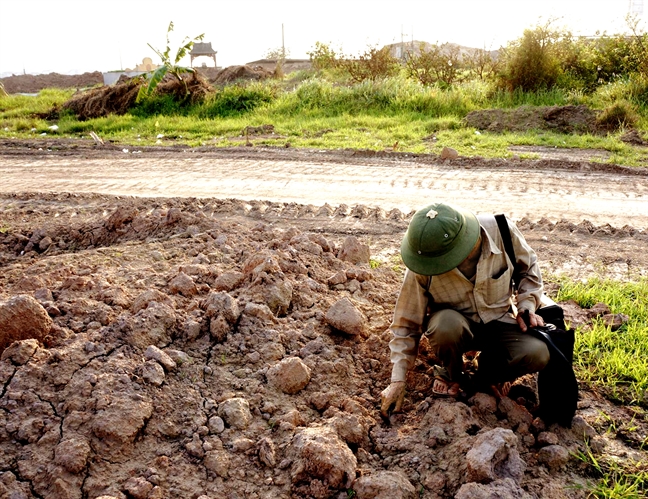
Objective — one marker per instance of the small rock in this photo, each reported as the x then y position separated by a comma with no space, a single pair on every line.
22,318
154,353
216,424
191,329
485,403
319,453
354,251
337,278
20,352
178,356
195,447
43,295
384,484
615,321
494,455
72,454
221,303
266,451
242,444
228,281
138,487
235,412
153,373
290,375
218,462
554,456
150,295
345,317
501,489
582,428
547,438
45,243
597,310
449,153
360,275
183,285
516,414
219,328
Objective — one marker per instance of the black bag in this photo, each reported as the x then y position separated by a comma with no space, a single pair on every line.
557,384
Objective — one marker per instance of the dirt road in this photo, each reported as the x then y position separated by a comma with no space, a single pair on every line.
231,261
531,189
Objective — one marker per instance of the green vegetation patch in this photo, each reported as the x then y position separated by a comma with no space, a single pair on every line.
615,362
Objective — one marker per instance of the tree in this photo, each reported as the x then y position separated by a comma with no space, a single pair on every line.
532,62
372,65
435,64
169,66
279,55
323,56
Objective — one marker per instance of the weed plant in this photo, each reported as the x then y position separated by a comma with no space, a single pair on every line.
615,362
615,480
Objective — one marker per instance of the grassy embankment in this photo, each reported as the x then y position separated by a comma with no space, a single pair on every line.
306,111
616,364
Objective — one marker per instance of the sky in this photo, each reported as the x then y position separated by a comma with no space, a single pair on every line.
75,36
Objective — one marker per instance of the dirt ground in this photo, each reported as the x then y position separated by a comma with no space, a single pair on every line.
236,345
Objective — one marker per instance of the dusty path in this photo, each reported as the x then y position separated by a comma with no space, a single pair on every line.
520,189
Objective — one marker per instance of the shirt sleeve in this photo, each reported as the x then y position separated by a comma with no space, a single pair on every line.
530,287
406,327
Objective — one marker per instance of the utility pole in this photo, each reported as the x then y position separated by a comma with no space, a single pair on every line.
283,47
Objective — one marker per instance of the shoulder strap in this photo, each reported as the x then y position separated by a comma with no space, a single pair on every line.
502,224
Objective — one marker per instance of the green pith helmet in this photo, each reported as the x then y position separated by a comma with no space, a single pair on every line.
438,238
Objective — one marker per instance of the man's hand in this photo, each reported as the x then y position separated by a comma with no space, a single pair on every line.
525,317
392,395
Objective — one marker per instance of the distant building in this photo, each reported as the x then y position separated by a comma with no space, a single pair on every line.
146,65
202,50
289,65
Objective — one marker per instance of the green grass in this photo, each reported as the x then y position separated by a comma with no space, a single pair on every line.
615,362
615,480
309,111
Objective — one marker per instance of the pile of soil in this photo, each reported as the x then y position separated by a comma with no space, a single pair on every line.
561,119
236,73
31,84
227,349
120,97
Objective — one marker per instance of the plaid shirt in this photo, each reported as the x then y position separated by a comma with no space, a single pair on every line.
487,297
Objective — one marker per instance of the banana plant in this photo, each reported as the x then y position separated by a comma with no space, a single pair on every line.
169,66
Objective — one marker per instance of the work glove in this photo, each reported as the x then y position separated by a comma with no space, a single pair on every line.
393,395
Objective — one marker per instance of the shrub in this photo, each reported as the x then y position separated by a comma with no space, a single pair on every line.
372,65
620,114
531,63
158,104
234,100
323,56
435,64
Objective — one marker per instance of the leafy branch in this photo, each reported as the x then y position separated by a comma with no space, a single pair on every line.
169,66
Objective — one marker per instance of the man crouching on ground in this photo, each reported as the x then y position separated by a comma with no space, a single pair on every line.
457,291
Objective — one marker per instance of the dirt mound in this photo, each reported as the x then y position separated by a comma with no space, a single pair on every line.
634,138
197,350
30,84
105,100
238,73
120,97
562,119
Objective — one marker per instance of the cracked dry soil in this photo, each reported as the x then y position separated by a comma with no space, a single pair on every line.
190,354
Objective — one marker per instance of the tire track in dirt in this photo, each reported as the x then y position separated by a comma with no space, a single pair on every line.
600,197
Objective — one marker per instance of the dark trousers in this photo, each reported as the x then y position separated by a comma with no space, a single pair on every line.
506,353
